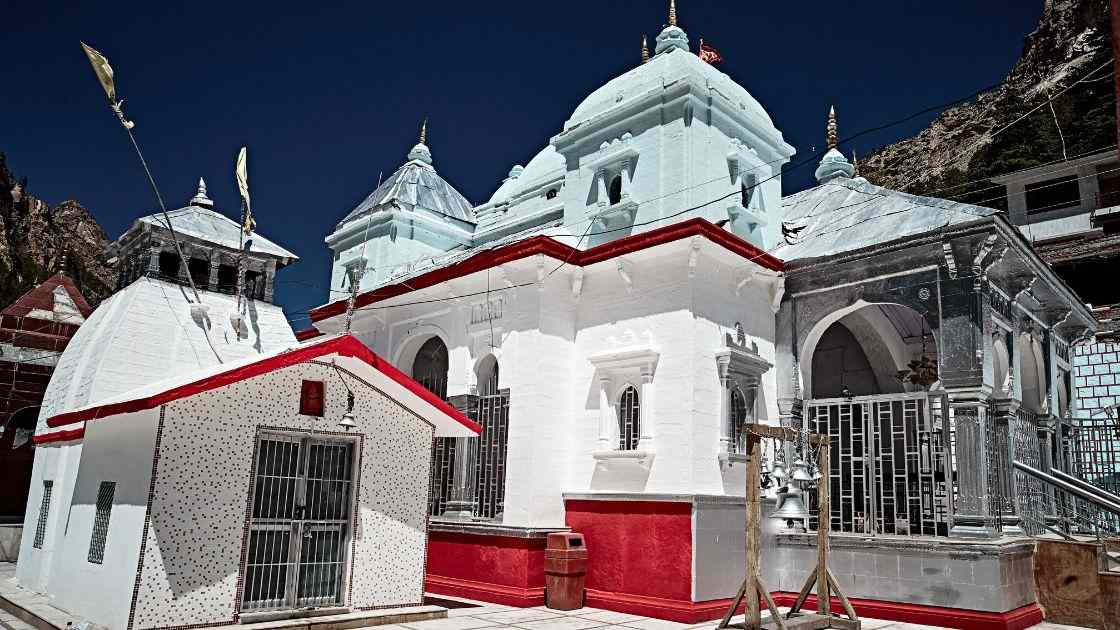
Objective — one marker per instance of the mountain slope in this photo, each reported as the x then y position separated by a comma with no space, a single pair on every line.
36,239
964,143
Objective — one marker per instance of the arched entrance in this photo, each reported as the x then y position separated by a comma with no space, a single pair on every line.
490,460
871,375
429,368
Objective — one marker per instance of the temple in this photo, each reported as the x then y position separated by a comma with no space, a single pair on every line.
639,290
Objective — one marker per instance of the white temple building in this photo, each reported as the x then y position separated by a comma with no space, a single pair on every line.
639,289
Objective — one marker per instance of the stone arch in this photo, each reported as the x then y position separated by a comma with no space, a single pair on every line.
880,341
487,375
426,358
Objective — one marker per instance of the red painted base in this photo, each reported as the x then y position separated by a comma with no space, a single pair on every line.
485,591
1016,619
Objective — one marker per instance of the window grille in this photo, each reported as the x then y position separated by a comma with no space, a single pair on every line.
629,419
44,511
101,521
738,417
430,370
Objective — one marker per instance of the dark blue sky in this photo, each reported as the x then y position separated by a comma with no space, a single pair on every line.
326,95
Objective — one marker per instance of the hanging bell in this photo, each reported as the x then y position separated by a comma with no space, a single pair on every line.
778,471
800,471
347,421
792,507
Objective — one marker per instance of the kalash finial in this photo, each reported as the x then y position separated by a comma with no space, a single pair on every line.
832,141
421,152
672,36
645,50
855,164
200,199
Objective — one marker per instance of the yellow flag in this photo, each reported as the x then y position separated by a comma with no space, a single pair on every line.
104,73
248,224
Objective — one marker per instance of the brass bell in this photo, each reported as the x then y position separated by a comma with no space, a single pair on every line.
791,507
800,471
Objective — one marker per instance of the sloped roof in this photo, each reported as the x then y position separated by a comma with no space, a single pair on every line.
843,214
46,302
447,420
215,227
415,185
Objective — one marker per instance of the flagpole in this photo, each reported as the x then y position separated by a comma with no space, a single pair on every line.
105,77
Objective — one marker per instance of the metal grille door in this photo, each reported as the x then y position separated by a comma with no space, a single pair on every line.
302,498
490,470
888,463
738,411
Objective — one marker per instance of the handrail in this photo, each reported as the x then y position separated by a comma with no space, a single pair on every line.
1086,486
1109,506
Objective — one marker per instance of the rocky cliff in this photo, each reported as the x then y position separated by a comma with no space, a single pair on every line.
1067,49
36,240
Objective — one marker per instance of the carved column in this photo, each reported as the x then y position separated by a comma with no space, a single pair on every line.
625,174
1001,476
154,248
215,263
725,411
606,416
601,196
461,502
972,513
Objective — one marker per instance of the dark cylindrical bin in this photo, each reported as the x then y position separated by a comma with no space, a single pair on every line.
565,569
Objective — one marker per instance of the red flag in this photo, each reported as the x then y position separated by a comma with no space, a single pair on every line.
709,54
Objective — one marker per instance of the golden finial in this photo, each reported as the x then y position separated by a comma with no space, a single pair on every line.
672,12
645,49
832,128
424,131
855,164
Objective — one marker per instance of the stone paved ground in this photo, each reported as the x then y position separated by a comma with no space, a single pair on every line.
494,617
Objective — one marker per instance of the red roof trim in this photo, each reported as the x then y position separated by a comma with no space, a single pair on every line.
41,296
551,247
347,346
308,333
65,435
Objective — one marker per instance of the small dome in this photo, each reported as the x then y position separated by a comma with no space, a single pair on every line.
545,163
833,165
421,152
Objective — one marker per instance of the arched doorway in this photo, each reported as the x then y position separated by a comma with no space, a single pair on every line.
871,375
490,462
429,368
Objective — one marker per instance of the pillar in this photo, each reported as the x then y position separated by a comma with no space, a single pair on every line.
972,517
154,248
464,481
725,412
646,405
606,416
1001,477
601,197
215,262
625,174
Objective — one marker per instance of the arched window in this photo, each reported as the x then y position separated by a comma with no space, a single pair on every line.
614,192
430,367
488,377
629,419
738,412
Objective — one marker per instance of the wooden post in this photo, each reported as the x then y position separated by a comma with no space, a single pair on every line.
1114,14
752,620
824,521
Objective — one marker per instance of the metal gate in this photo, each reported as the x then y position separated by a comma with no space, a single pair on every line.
299,529
888,464
490,464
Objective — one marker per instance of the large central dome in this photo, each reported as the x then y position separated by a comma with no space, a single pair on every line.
666,68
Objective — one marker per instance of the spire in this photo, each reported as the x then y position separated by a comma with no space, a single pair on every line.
855,164
645,50
833,165
832,142
200,199
421,151
672,36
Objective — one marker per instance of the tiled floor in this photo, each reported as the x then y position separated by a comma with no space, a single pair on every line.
493,616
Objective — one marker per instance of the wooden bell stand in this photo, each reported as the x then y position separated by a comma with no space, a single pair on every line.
752,587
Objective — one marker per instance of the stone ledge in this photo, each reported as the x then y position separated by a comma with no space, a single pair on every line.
924,544
482,528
